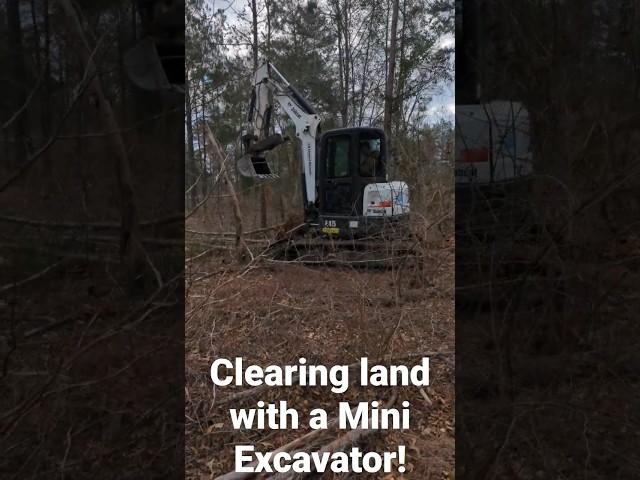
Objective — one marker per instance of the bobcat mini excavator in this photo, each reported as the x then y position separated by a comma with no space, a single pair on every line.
349,205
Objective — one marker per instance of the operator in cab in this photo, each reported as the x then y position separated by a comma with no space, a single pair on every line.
371,164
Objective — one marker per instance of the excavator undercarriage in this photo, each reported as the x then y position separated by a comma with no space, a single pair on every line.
307,246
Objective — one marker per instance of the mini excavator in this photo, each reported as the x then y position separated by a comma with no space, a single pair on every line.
344,176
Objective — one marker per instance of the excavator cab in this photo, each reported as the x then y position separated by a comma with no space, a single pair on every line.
349,160
355,200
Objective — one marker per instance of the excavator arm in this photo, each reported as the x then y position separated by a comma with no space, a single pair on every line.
270,86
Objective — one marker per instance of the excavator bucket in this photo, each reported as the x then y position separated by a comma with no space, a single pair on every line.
253,164
255,167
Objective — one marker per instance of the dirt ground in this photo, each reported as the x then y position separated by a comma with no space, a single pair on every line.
89,381
275,313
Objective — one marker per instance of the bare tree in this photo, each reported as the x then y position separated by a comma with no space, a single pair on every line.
190,149
341,12
131,249
391,75
254,30
19,76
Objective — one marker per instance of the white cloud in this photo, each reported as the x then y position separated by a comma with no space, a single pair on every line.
447,41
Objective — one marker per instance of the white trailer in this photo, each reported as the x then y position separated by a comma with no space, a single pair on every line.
492,143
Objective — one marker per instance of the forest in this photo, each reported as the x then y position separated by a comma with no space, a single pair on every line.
135,249
357,63
547,269
91,245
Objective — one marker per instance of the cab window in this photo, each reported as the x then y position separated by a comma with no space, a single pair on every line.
370,156
337,164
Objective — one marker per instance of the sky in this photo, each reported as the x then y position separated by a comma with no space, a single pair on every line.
443,104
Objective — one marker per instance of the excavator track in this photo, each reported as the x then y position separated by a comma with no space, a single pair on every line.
308,247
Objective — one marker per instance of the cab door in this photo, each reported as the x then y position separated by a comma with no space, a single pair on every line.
336,176
369,163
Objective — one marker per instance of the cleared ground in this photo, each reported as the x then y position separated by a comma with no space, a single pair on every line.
276,313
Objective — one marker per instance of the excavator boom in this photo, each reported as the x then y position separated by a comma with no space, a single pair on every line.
270,87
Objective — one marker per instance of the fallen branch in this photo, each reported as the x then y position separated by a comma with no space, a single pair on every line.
198,205
188,190
24,106
208,251
33,277
229,234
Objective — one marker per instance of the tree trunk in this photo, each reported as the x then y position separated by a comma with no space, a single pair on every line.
36,33
254,30
18,80
398,106
131,249
343,65
347,61
263,187
193,178
365,70
267,5
206,172
388,91
46,100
